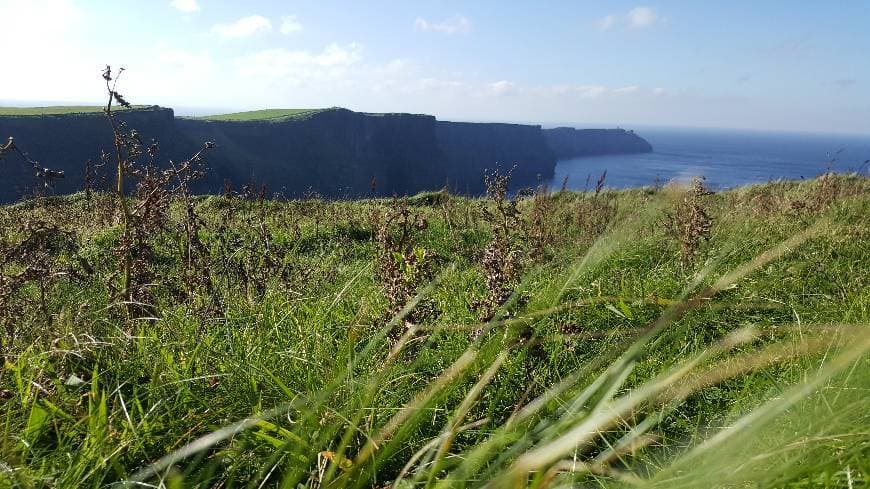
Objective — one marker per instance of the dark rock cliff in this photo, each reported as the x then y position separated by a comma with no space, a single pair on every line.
337,153
568,142
334,152
66,142
472,148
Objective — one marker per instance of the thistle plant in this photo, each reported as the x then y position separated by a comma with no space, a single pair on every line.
155,188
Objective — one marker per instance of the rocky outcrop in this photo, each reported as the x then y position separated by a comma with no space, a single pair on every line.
567,142
333,152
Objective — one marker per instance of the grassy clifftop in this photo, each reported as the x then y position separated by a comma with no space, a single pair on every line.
254,115
272,115
280,115
60,110
654,337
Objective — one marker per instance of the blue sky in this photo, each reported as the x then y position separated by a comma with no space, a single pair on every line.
771,65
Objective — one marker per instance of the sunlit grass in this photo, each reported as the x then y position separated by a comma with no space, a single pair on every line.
273,115
59,110
614,365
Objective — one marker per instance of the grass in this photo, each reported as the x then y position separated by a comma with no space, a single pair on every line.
271,115
271,358
274,115
57,110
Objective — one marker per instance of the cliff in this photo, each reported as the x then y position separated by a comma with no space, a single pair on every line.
334,152
338,152
567,142
472,148
67,140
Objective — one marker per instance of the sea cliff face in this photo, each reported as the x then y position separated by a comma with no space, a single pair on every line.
472,148
340,153
336,153
567,142
333,152
67,141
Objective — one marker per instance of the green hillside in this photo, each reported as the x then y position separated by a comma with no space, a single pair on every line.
275,115
58,110
657,337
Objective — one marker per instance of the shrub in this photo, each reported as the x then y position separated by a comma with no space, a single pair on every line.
502,258
402,264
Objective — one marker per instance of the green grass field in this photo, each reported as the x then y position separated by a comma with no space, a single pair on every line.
263,345
274,115
58,110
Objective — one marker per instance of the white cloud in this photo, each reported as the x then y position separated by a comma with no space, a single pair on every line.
289,25
642,17
590,91
585,91
244,27
659,91
396,66
502,87
635,18
188,6
593,91
608,22
458,24
300,66
335,55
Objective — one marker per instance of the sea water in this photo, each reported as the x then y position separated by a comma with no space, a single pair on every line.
725,158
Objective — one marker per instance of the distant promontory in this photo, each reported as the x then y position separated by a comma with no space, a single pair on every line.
332,152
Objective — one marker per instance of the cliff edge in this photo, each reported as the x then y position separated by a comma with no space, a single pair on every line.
64,138
567,142
334,152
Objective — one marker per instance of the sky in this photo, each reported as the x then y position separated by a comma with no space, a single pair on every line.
767,65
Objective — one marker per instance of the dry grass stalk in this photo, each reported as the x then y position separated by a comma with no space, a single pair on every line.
595,211
690,222
542,227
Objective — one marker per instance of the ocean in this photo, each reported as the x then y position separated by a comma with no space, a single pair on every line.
725,158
